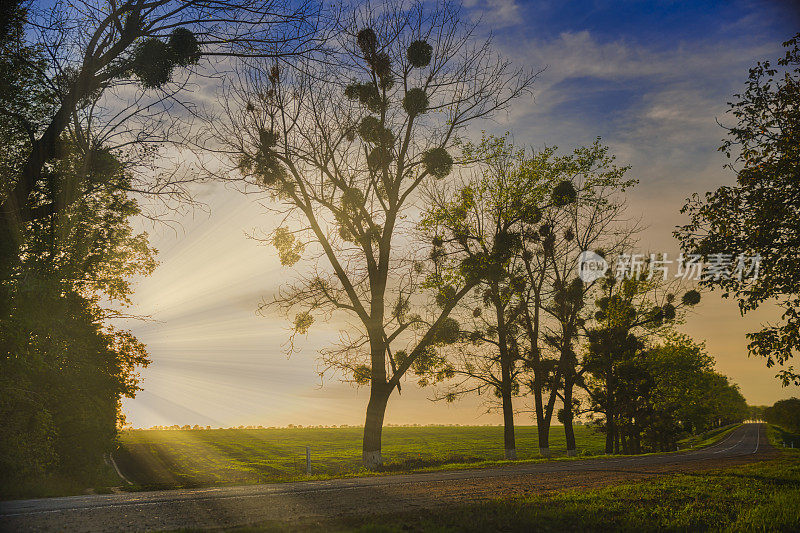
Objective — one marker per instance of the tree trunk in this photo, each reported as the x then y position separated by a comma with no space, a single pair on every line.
505,378
543,432
610,431
569,432
508,424
542,418
373,426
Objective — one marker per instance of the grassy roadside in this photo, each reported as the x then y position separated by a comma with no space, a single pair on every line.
762,496
187,459
198,458
707,438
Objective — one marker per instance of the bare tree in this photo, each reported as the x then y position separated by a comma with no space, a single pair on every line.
344,148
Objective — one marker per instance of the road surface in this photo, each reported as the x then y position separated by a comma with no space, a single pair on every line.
304,502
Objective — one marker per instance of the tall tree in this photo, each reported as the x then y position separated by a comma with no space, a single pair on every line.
784,413
479,228
757,217
64,368
627,312
553,314
344,147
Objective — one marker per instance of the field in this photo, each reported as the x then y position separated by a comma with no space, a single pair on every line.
763,496
191,458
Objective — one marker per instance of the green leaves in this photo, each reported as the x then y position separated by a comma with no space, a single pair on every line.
563,194
154,60
184,47
419,54
415,102
289,250
153,63
302,322
379,158
758,215
691,297
367,94
447,332
362,374
374,132
437,162
367,41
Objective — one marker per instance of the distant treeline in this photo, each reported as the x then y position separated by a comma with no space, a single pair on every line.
301,426
785,413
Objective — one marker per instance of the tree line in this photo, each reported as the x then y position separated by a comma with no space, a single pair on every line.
784,413
456,260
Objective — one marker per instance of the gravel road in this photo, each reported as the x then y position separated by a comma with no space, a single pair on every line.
316,500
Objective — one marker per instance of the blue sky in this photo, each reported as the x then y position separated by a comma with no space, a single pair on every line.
650,78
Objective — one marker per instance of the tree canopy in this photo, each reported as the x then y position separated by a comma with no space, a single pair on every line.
757,217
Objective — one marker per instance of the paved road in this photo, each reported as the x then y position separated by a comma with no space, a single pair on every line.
316,500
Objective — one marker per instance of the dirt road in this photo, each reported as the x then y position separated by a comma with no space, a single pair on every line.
304,501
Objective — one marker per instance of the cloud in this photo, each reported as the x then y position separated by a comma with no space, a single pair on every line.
494,14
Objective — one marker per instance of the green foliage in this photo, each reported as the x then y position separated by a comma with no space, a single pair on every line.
445,295
420,54
265,165
374,132
447,332
62,369
153,63
563,194
153,60
289,249
367,41
415,102
691,297
367,94
758,215
184,47
362,374
785,413
303,322
661,393
379,158
437,162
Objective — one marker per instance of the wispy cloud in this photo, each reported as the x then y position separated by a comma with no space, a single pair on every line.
495,14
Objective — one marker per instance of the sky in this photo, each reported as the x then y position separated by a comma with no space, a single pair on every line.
650,78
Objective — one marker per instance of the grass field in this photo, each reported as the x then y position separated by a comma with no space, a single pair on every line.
763,496
190,458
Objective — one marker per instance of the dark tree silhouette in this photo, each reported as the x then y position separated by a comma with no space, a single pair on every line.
758,216
86,50
344,148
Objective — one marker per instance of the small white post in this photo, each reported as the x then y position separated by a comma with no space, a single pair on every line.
308,460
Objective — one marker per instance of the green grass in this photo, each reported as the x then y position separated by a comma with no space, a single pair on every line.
762,496
191,458
707,438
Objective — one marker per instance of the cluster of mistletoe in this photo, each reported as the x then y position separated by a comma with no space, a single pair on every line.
373,95
153,60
